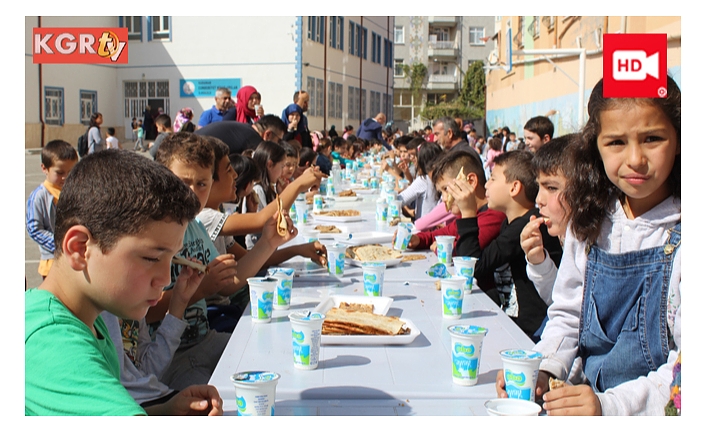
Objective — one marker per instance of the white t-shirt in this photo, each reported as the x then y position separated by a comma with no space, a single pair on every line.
112,142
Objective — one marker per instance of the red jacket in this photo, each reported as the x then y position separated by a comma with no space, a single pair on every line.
489,222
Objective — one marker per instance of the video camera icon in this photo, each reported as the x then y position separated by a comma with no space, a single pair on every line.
632,65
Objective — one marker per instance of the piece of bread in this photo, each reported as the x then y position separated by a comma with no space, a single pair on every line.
351,322
368,308
555,383
281,219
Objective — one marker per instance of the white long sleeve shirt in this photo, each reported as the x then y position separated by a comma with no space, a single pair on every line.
646,395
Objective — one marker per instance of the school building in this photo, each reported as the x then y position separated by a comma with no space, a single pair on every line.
553,57
345,63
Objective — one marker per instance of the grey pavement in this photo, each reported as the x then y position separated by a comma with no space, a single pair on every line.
34,177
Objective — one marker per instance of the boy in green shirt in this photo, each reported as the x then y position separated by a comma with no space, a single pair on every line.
114,246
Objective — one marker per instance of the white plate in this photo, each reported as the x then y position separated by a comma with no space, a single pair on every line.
381,304
388,262
367,191
304,267
363,238
346,198
330,235
334,219
374,340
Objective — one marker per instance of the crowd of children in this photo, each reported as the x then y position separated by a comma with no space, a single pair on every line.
585,226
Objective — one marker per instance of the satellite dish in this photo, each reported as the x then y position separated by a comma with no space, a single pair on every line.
493,58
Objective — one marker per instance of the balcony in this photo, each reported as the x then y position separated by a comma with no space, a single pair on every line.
442,82
444,20
445,49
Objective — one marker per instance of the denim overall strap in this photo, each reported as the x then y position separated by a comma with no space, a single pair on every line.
623,329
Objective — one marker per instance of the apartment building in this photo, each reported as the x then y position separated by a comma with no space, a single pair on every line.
344,62
446,45
548,83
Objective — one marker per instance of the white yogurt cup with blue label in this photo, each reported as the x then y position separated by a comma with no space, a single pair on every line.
262,293
404,235
520,370
373,278
452,297
283,288
306,338
465,267
255,392
336,259
466,346
445,249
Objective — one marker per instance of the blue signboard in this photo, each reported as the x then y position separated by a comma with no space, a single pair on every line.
207,87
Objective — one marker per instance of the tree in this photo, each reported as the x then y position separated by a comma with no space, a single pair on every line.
473,91
416,74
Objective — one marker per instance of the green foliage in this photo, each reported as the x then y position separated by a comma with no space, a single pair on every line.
473,90
416,74
451,109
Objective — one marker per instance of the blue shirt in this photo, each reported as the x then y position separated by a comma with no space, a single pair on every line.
213,115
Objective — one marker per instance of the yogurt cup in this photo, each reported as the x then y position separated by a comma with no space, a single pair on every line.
318,203
300,208
306,338
255,392
373,278
404,234
283,288
452,297
262,292
465,267
309,235
445,249
394,209
466,346
512,407
336,258
520,370
381,211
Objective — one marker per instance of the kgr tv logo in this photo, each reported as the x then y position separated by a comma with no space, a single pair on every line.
71,45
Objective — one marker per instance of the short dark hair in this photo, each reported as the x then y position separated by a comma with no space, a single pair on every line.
57,150
451,163
518,166
554,157
415,143
289,149
163,120
220,150
307,155
117,193
402,141
272,123
449,124
541,126
111,131
188,148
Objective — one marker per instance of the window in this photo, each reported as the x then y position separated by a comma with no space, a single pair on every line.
357,40
353,103
316,28
475,35
376,48
331,100
160,27
374,102
399,67
311,89
139,94
363,105
319,98
336,32
339,100
399,34
134,27
54,106
389,53
520,31
439,34
89,105
533,27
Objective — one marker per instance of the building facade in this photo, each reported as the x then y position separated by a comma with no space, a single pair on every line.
345,63
446,45
548,84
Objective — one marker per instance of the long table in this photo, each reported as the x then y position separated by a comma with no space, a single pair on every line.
412,379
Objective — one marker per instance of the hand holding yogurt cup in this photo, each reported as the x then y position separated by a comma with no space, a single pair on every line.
541,388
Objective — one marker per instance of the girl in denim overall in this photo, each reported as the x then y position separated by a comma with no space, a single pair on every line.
617,295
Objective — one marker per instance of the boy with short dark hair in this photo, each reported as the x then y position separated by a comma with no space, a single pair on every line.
164,128
114,248
538,131
58,158
511,189
111,141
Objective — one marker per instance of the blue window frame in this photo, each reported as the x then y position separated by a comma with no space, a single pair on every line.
54,106
134,27
88,105
159,28
316,28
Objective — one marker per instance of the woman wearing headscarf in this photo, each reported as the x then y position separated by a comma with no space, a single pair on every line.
183,121
293,113
246,100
